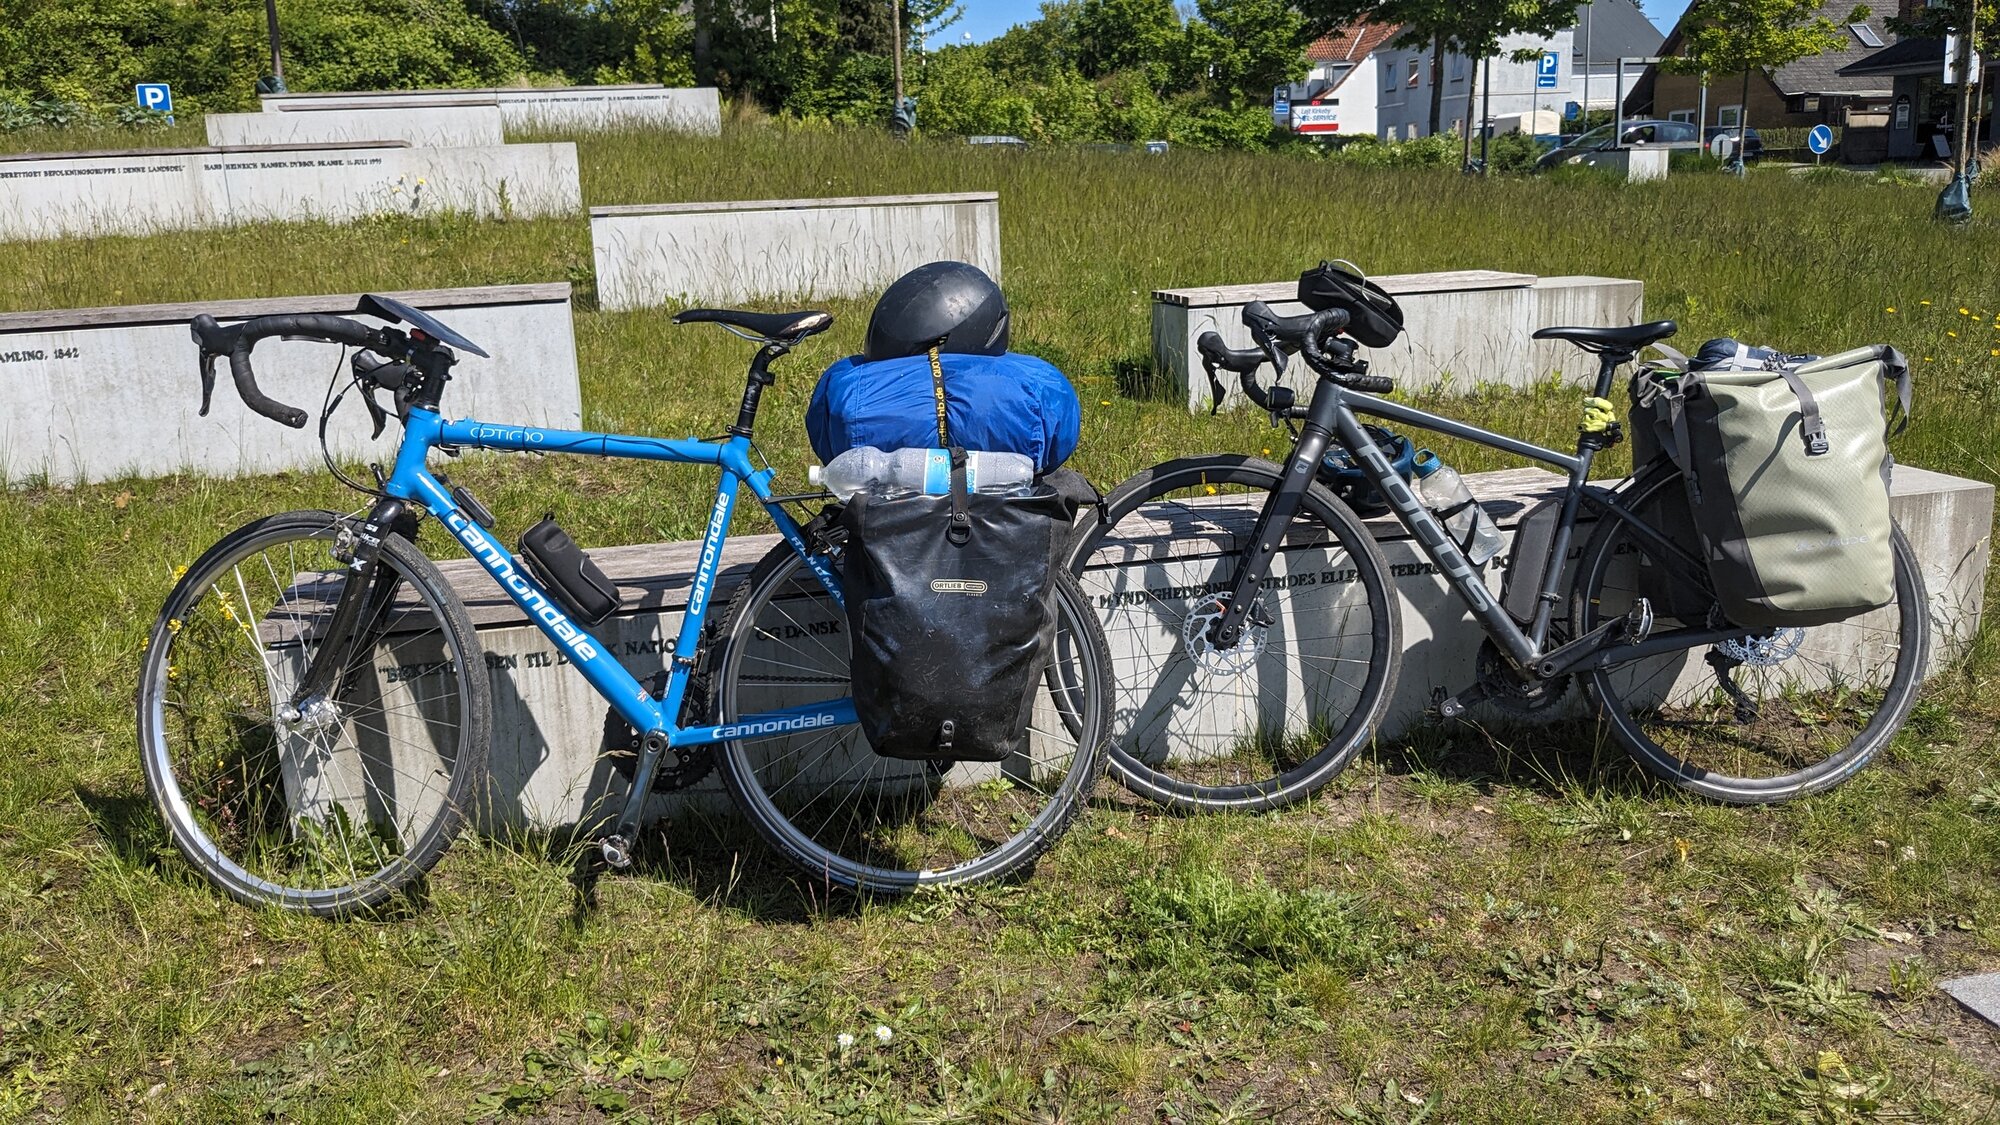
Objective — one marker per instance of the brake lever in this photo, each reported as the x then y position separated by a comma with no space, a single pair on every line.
376,414
208,359
1215,388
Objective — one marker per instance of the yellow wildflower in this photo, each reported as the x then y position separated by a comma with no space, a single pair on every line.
1890,309
1923,302
1963,311
1953,335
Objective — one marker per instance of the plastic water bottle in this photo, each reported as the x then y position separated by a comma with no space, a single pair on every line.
906,472
1443,491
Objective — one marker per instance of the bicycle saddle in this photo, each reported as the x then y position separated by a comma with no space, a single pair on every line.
1627,339
790,327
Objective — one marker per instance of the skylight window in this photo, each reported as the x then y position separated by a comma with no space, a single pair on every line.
1866,34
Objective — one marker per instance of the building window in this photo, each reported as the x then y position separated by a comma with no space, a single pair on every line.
1415,74
1458,68
1388,76
1686,115
1729,116
1866,34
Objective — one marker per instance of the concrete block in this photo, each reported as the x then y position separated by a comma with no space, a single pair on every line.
51,195
719,252
1467,328
549,725
96,394
553,109
439,126
1980,994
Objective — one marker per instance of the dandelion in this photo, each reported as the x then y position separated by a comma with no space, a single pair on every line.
1104,402
1996,351
1923,302
1963,311
1953,335
844,1041
1891,309
883,1034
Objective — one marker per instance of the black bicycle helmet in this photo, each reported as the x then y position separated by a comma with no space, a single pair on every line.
950,306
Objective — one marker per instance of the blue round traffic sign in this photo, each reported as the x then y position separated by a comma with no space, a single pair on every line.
1819,140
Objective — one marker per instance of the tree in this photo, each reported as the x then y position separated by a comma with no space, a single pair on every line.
1982,20
1728,36
1115,35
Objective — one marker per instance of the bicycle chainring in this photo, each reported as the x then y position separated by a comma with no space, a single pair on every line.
678,767
1203,612
1504,687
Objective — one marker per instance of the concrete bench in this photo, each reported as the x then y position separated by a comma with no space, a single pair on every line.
1467,327
549,725
434,126
767,248
94,394
49,195
692,109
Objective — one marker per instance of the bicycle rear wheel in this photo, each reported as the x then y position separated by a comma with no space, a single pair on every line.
884,825
358,790
1271,720
1771,715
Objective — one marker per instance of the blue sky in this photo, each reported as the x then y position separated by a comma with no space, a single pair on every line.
985,19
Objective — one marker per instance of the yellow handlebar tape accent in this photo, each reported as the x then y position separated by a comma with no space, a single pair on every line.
1598,415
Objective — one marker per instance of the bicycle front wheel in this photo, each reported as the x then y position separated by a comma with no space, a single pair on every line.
884,825
1273,718
333,802
1770,715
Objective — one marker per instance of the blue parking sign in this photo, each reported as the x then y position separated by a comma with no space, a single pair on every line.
1547,70
156,96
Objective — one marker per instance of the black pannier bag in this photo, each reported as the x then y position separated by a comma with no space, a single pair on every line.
951,614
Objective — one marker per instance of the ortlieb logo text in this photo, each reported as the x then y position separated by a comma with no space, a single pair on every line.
969,586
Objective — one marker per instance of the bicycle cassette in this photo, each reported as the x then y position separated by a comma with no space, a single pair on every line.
679,767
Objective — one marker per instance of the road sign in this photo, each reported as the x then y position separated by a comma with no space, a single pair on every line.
1315,118
1819,140
1281,105
1573,111
156,96
1548,70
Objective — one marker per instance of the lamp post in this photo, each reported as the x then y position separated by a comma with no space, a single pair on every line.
277,59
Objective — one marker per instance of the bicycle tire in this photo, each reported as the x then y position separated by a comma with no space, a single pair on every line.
1831,744
238,835
1150,650
758,773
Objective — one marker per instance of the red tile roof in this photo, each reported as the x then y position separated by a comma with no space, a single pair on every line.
1352,44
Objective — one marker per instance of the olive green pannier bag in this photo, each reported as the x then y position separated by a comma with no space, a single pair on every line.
1786,462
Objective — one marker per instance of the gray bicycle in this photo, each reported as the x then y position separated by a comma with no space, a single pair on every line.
1256,636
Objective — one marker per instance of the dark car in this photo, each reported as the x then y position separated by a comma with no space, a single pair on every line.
1643,133
1753,145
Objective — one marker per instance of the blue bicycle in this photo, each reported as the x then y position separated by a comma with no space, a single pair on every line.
314,707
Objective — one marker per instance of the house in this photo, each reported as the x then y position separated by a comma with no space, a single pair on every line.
1607,31
1918,124
1812,91
1341,79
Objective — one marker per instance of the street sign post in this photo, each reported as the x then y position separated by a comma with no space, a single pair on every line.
1819,141
156,96
1548,70
1281,105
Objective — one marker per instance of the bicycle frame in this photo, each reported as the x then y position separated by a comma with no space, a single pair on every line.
1333,413
412,482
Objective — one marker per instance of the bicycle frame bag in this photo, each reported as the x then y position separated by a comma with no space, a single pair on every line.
1374,317
1786,465
566,572
951,616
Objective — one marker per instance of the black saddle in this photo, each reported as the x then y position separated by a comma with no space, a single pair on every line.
787,327
1626,340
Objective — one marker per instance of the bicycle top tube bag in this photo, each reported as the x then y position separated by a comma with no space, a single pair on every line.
1786,465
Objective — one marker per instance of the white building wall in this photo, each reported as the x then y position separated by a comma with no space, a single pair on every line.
1357,96
1405,108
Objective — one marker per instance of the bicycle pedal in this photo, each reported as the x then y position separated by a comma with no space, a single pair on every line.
1639,621
617,851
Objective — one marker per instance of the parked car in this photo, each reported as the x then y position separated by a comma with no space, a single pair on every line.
1643,133
1753,145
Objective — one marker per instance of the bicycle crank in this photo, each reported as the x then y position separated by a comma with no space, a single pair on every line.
678,767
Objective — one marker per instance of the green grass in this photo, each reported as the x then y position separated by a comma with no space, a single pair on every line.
1481,928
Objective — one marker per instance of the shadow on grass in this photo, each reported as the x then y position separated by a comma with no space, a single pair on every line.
129,824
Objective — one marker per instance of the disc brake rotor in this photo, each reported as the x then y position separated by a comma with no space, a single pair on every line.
1202,649
1767,651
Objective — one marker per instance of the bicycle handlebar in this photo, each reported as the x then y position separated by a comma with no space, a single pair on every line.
237,340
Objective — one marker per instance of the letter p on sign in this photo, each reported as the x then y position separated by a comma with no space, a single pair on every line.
155,96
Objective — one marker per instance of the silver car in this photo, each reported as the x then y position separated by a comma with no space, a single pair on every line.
1644,133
